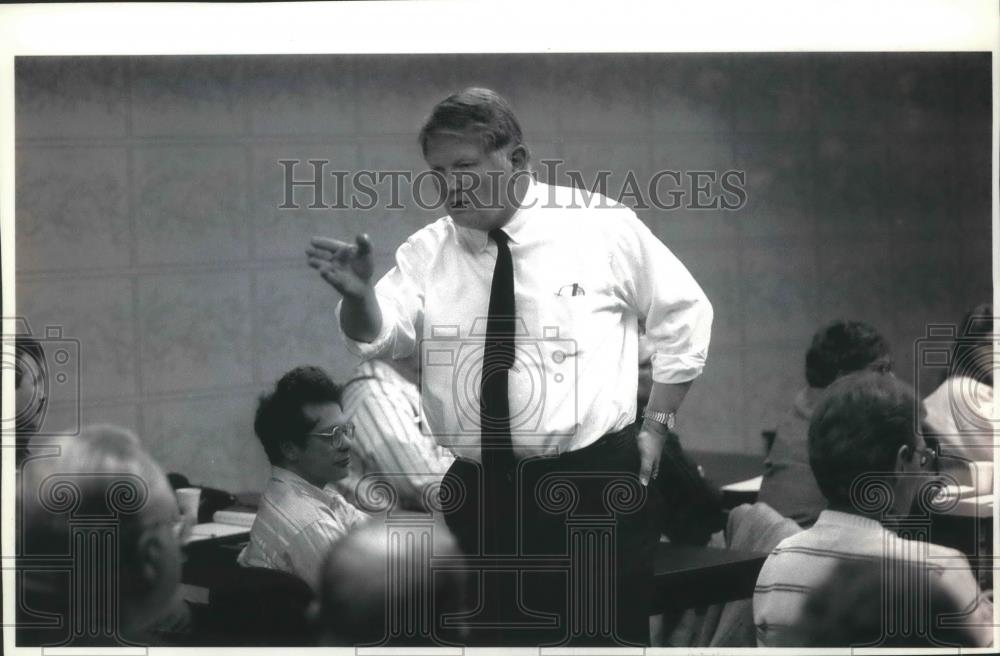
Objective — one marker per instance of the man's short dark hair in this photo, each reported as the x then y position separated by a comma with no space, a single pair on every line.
840,348
279,414
857,428
481,110
27,347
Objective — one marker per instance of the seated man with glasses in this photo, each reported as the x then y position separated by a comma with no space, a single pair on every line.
871,464
307,439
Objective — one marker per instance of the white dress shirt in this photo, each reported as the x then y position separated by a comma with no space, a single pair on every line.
585,273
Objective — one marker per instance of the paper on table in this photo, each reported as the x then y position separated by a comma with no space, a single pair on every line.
234,517
749,485
960,491
210,530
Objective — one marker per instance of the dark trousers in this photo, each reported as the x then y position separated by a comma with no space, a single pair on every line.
574,564
687,507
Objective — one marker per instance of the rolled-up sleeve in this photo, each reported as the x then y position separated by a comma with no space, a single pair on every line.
400,297
663,292
385,338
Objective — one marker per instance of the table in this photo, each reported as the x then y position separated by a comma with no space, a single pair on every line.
688,576
205,557
968,527
212,545
727,468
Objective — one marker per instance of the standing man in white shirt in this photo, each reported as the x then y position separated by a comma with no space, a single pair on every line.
524,305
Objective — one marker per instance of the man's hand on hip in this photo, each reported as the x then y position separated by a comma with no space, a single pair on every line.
663,397
347,267
651,438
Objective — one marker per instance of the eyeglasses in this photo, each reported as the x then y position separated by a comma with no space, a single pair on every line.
336,434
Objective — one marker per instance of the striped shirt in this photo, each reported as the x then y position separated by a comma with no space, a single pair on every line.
388,440
804,561
296,525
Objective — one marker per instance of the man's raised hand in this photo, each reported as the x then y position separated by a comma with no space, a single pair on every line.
348,267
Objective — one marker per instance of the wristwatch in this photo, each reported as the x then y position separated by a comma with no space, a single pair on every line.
668,419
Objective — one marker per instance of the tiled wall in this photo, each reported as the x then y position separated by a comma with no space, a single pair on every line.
148,228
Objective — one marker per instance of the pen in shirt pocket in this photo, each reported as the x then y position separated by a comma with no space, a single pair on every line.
571,290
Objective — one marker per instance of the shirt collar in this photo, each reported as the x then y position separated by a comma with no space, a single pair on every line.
516,228
843,519
290,477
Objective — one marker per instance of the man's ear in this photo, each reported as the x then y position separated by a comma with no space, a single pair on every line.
149,557
289,451
905,460
519,157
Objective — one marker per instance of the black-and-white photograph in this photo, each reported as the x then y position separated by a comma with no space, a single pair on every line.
548,347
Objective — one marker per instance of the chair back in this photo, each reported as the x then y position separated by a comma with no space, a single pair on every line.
256,606
756,527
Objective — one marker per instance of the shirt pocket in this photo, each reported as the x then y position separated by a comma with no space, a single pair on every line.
580,316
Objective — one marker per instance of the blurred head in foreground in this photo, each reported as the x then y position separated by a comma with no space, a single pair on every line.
378,587
105,477
881,603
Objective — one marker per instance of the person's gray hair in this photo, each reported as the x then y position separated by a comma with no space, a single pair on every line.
103,472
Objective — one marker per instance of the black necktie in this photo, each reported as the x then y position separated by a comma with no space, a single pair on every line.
494,406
